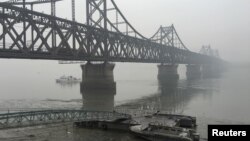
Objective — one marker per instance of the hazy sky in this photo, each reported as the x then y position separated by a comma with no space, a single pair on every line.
224,24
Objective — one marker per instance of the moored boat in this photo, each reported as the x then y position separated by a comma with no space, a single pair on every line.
164,133
181,120
122,124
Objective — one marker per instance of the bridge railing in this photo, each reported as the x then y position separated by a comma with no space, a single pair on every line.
17,110
32,118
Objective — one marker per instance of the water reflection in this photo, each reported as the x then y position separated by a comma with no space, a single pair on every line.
97,99
173,97
100,135
67,84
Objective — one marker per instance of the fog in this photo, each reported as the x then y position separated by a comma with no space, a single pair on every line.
221,99
223,24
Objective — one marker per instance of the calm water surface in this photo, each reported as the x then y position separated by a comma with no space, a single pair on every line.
31,84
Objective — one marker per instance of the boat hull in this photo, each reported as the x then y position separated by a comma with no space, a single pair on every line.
153,137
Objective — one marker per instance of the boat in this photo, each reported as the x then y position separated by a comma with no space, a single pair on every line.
164,133
122,124
181,120
68,79
154,127
170,120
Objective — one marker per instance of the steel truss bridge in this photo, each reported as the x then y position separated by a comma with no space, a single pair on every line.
27,34
33,118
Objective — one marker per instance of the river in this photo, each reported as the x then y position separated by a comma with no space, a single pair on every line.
31,84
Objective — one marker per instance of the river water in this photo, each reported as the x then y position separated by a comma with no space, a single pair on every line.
28,84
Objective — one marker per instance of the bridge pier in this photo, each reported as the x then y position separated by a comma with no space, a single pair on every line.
98,87
210,71
193,71
167,72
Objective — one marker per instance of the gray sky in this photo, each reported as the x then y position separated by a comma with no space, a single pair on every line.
224,24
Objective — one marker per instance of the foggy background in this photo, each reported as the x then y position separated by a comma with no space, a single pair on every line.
223,24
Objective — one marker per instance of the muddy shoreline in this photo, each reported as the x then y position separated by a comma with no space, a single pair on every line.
66,131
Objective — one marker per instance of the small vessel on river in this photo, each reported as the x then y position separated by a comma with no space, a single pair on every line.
68,79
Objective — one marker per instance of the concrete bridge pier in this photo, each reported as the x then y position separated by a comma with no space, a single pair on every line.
193,71
167,72
98,87
210,71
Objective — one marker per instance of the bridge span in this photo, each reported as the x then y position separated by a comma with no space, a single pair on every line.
33,35
27,34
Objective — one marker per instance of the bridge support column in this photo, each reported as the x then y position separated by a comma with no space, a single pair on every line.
167,72
98,87
193,71
210,71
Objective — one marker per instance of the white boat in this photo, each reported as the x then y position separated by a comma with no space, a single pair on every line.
68,79
164,133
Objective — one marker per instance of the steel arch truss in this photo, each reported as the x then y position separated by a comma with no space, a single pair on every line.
168,37
207,50
105,14
75,41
